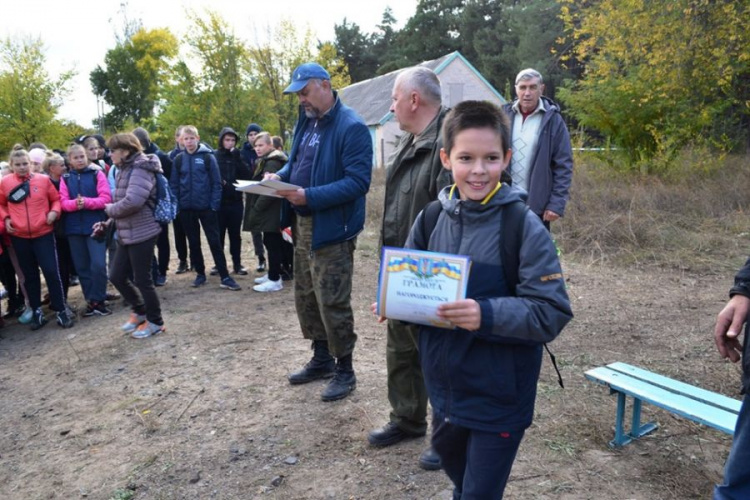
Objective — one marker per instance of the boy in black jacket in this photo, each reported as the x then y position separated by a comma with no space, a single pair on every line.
231,168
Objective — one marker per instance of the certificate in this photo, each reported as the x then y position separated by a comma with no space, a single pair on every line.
413,283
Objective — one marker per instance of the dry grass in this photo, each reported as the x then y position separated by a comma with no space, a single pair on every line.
695,218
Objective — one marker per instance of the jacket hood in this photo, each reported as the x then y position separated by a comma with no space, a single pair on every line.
152,149
506,194
277,155
148,162
225,131
202,148
550,105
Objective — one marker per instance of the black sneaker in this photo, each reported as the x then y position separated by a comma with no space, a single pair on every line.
214,271
240,270
199,280
110,297
64,319
37,319
14,311
74,281
98,309
89,310
182,267
261,267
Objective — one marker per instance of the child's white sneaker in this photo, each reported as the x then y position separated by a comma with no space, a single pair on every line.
261,280
269,286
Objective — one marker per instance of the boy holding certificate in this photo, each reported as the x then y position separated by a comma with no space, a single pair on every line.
481,376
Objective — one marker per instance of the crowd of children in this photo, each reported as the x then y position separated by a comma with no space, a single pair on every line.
71,212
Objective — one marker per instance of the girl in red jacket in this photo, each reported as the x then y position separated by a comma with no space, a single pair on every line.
29,206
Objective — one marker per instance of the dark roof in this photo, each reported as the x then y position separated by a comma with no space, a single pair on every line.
371,99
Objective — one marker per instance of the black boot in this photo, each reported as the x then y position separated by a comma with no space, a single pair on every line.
322,365
343,382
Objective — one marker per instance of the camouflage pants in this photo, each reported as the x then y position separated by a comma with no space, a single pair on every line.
323,289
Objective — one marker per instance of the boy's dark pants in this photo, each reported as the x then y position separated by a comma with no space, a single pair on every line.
162,245
35,253
180,239
273,242
477,462
258,246
230,222
209,221
406,390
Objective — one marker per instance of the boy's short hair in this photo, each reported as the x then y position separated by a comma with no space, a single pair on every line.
265,136
476,114
190,130
278,142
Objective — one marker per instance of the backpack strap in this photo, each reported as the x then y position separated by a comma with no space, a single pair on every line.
430,214
511,236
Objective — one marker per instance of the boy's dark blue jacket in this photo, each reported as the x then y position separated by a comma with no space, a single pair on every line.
195,180
340,177
486,379
83,182
231,168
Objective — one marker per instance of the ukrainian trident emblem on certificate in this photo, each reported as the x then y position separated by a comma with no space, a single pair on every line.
413,283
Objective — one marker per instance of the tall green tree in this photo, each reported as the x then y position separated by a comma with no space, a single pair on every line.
222,90
133,75
274,61
661,74
357,50
29,96
431,32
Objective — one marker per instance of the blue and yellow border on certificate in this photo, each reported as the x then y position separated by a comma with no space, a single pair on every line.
423,265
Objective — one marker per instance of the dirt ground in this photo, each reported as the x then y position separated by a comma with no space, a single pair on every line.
205,411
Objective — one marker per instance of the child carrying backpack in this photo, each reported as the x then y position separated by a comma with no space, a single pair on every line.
481,377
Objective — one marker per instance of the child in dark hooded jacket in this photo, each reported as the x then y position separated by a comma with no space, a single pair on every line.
231,168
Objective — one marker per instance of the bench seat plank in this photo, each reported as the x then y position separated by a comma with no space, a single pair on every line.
708,397
680,404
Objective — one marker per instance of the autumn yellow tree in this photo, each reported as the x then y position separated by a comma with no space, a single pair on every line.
660,74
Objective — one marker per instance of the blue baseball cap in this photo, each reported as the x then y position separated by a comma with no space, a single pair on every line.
303,73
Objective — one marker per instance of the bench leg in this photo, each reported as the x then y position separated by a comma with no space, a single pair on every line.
636,429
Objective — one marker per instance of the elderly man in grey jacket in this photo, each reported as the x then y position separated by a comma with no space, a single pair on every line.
542,161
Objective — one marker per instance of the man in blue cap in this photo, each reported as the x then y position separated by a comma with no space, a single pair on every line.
331,159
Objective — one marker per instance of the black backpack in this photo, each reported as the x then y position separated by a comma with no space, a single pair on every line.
511,227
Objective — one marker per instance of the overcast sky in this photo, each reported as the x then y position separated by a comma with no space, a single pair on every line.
78,33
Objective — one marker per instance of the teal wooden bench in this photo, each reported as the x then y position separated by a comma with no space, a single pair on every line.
690,402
